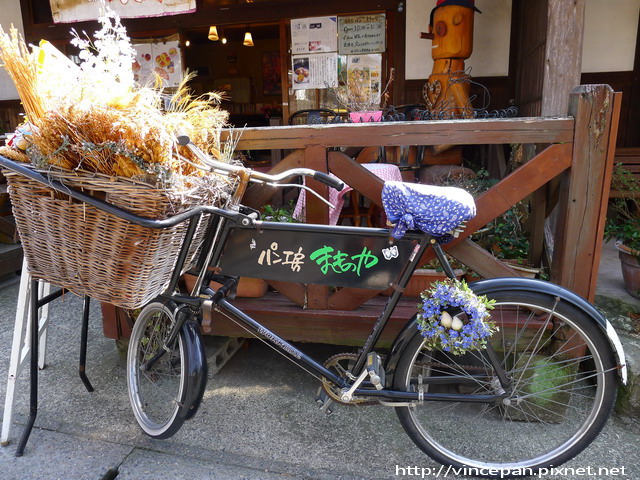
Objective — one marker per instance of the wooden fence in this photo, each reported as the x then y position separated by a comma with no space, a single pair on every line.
572,172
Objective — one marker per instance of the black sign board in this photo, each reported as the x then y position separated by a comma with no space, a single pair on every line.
315,257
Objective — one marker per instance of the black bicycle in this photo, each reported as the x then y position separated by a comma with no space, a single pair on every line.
537,394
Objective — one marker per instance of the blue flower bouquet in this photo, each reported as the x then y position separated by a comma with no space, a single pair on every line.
468,328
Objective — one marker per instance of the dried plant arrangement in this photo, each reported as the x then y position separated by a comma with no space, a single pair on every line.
359,96
93,117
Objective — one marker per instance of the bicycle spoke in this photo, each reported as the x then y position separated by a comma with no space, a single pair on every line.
543,353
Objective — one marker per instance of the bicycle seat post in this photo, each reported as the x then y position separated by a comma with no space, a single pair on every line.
442,258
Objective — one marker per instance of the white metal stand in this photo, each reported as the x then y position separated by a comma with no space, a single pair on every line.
20,346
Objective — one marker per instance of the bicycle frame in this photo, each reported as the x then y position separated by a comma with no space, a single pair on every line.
224,254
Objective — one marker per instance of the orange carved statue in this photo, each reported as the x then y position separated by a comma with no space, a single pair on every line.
451,32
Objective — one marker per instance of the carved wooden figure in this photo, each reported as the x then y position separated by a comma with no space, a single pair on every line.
451,32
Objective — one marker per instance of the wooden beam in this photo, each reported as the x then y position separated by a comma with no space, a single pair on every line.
208,14
258,195
548,164
326,326
579,228
459,132
606,187
480,260
356,176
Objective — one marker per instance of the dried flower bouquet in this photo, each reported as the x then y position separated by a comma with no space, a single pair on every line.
94,117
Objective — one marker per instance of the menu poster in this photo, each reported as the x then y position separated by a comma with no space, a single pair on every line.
315,71
361,34
161,58
311,35
364,73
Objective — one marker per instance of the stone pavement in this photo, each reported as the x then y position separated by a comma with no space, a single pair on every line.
623,311
258,420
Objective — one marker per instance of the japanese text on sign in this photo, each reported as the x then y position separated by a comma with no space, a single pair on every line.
361,34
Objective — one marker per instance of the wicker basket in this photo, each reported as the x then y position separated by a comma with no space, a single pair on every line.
90,252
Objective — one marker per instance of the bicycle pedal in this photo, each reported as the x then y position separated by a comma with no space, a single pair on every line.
324,403
375,370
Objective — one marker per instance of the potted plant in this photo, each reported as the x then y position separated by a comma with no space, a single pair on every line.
361,95
508,241
623,225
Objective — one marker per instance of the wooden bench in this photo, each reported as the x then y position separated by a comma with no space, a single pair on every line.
630,160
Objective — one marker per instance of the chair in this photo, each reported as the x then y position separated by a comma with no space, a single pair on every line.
314,116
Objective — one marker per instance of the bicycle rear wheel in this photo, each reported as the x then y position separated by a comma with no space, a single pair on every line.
158,395
561,369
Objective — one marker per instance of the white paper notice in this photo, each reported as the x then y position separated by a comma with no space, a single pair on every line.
315,71
310,35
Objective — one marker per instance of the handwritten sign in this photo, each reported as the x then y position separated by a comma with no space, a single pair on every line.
298,255
361,34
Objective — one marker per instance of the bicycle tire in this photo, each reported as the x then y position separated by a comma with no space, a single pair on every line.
158,397
567,391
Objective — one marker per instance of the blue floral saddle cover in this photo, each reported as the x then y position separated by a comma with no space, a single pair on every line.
432,209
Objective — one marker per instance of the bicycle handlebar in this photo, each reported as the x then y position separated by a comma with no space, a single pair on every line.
333,182
217,166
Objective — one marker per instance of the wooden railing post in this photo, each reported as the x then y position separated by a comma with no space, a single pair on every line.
315,157
580,220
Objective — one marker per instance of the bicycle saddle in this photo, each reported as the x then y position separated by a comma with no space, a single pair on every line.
432,209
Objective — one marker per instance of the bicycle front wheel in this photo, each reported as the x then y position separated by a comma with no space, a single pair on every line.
157,394
561,370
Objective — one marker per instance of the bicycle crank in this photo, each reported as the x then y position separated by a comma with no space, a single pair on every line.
341,364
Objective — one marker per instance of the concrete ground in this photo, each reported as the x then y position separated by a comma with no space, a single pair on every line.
258,420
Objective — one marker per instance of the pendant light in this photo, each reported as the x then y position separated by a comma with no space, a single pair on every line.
213,34
248,39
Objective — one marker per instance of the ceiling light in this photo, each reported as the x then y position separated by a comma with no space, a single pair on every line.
224,40
213,34
248,39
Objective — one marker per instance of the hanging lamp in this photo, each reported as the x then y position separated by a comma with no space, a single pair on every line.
248,39
213,34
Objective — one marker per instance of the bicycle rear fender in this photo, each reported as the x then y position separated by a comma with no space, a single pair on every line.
485,287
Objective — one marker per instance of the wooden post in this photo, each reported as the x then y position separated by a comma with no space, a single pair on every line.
315,157
580,223
563,55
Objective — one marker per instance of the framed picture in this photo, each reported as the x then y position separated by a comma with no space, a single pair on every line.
271,80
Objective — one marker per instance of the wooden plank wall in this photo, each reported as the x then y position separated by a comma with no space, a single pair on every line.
531,20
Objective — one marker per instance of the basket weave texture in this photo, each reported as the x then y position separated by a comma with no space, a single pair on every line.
90,252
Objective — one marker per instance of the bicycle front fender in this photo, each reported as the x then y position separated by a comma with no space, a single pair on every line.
486,287
196,366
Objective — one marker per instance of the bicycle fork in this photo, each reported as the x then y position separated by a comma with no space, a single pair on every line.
179,318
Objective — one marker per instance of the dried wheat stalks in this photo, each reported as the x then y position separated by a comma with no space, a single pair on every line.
22,67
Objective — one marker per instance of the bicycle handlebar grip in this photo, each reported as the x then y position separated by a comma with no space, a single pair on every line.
183,139
333,182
